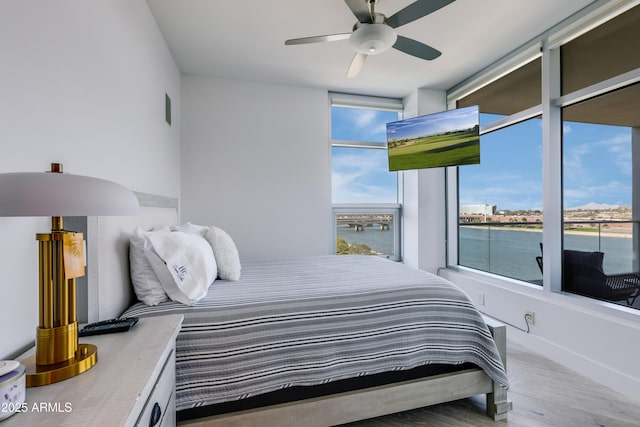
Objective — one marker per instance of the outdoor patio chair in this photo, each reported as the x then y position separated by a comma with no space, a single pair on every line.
584,275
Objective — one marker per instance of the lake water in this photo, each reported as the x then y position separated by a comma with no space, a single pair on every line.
508,252
378,240
512,253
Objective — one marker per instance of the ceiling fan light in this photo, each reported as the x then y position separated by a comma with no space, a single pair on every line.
372,39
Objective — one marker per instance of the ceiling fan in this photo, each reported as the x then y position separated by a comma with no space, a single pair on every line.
374,33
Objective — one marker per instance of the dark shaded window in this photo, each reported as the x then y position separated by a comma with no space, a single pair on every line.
514,92
606,51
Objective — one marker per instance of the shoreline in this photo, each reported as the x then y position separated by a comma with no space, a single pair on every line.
621,235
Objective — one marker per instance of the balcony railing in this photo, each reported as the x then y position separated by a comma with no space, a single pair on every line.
504,248
510,248
614,238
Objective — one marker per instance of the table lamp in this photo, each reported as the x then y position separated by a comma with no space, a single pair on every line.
56,194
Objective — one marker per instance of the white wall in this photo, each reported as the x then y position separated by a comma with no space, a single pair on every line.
256,162
83,84
590,337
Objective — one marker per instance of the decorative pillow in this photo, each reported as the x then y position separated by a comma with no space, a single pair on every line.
183,262
583,262
146,285
225,252
191,228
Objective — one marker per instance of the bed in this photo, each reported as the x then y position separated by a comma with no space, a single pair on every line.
322,340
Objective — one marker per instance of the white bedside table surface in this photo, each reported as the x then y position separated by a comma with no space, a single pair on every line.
112,391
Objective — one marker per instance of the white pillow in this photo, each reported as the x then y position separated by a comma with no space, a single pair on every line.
225,252
191,228
183,263
146,285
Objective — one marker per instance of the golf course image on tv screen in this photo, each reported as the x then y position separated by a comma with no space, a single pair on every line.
448,138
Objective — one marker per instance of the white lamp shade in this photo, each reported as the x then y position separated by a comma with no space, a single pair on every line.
372,39
62,194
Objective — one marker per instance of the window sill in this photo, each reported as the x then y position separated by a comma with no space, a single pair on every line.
469,278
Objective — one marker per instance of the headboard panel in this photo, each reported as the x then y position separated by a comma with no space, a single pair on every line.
109,290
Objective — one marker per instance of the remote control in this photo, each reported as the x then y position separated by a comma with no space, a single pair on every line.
108,326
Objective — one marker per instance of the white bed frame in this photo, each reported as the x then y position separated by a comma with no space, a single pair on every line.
109,294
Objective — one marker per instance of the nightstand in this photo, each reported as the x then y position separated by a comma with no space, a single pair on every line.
133,381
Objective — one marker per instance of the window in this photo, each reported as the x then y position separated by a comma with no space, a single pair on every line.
600,79
597,192
514,92
364,192
598,135
500,200
584,136
500,203
367,229
602,53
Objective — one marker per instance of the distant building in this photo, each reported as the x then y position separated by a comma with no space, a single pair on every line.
477,210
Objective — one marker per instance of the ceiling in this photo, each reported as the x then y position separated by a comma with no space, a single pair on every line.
245,40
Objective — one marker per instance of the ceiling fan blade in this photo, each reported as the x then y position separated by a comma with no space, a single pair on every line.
356,65
318,39
360,9
415,48
415,10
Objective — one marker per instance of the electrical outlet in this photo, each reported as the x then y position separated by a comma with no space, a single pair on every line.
531,317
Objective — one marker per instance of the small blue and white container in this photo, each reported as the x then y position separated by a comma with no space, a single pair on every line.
12,388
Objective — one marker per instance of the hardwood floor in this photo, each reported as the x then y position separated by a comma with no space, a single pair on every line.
543,393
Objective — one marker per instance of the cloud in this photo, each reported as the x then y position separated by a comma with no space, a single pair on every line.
598,170
506,197
619,147
369,125
365,119
360,193
573,162
505,190
611,192
361,176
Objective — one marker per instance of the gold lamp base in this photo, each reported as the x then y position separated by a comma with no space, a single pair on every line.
58,355
84,359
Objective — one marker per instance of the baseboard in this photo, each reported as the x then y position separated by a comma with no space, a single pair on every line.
602,374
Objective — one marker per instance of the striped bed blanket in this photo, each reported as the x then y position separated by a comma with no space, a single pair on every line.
309,321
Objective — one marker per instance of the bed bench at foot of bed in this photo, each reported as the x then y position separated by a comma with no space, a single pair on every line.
377,401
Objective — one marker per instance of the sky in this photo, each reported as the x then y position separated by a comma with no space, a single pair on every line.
510,171
596,164
362,175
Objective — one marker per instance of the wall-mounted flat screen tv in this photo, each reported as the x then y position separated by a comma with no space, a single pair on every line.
449,138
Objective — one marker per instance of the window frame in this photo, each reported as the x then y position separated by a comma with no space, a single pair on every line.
364,103
515,119
515,61
374,103
548,46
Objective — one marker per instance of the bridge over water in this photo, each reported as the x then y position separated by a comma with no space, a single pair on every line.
360,221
